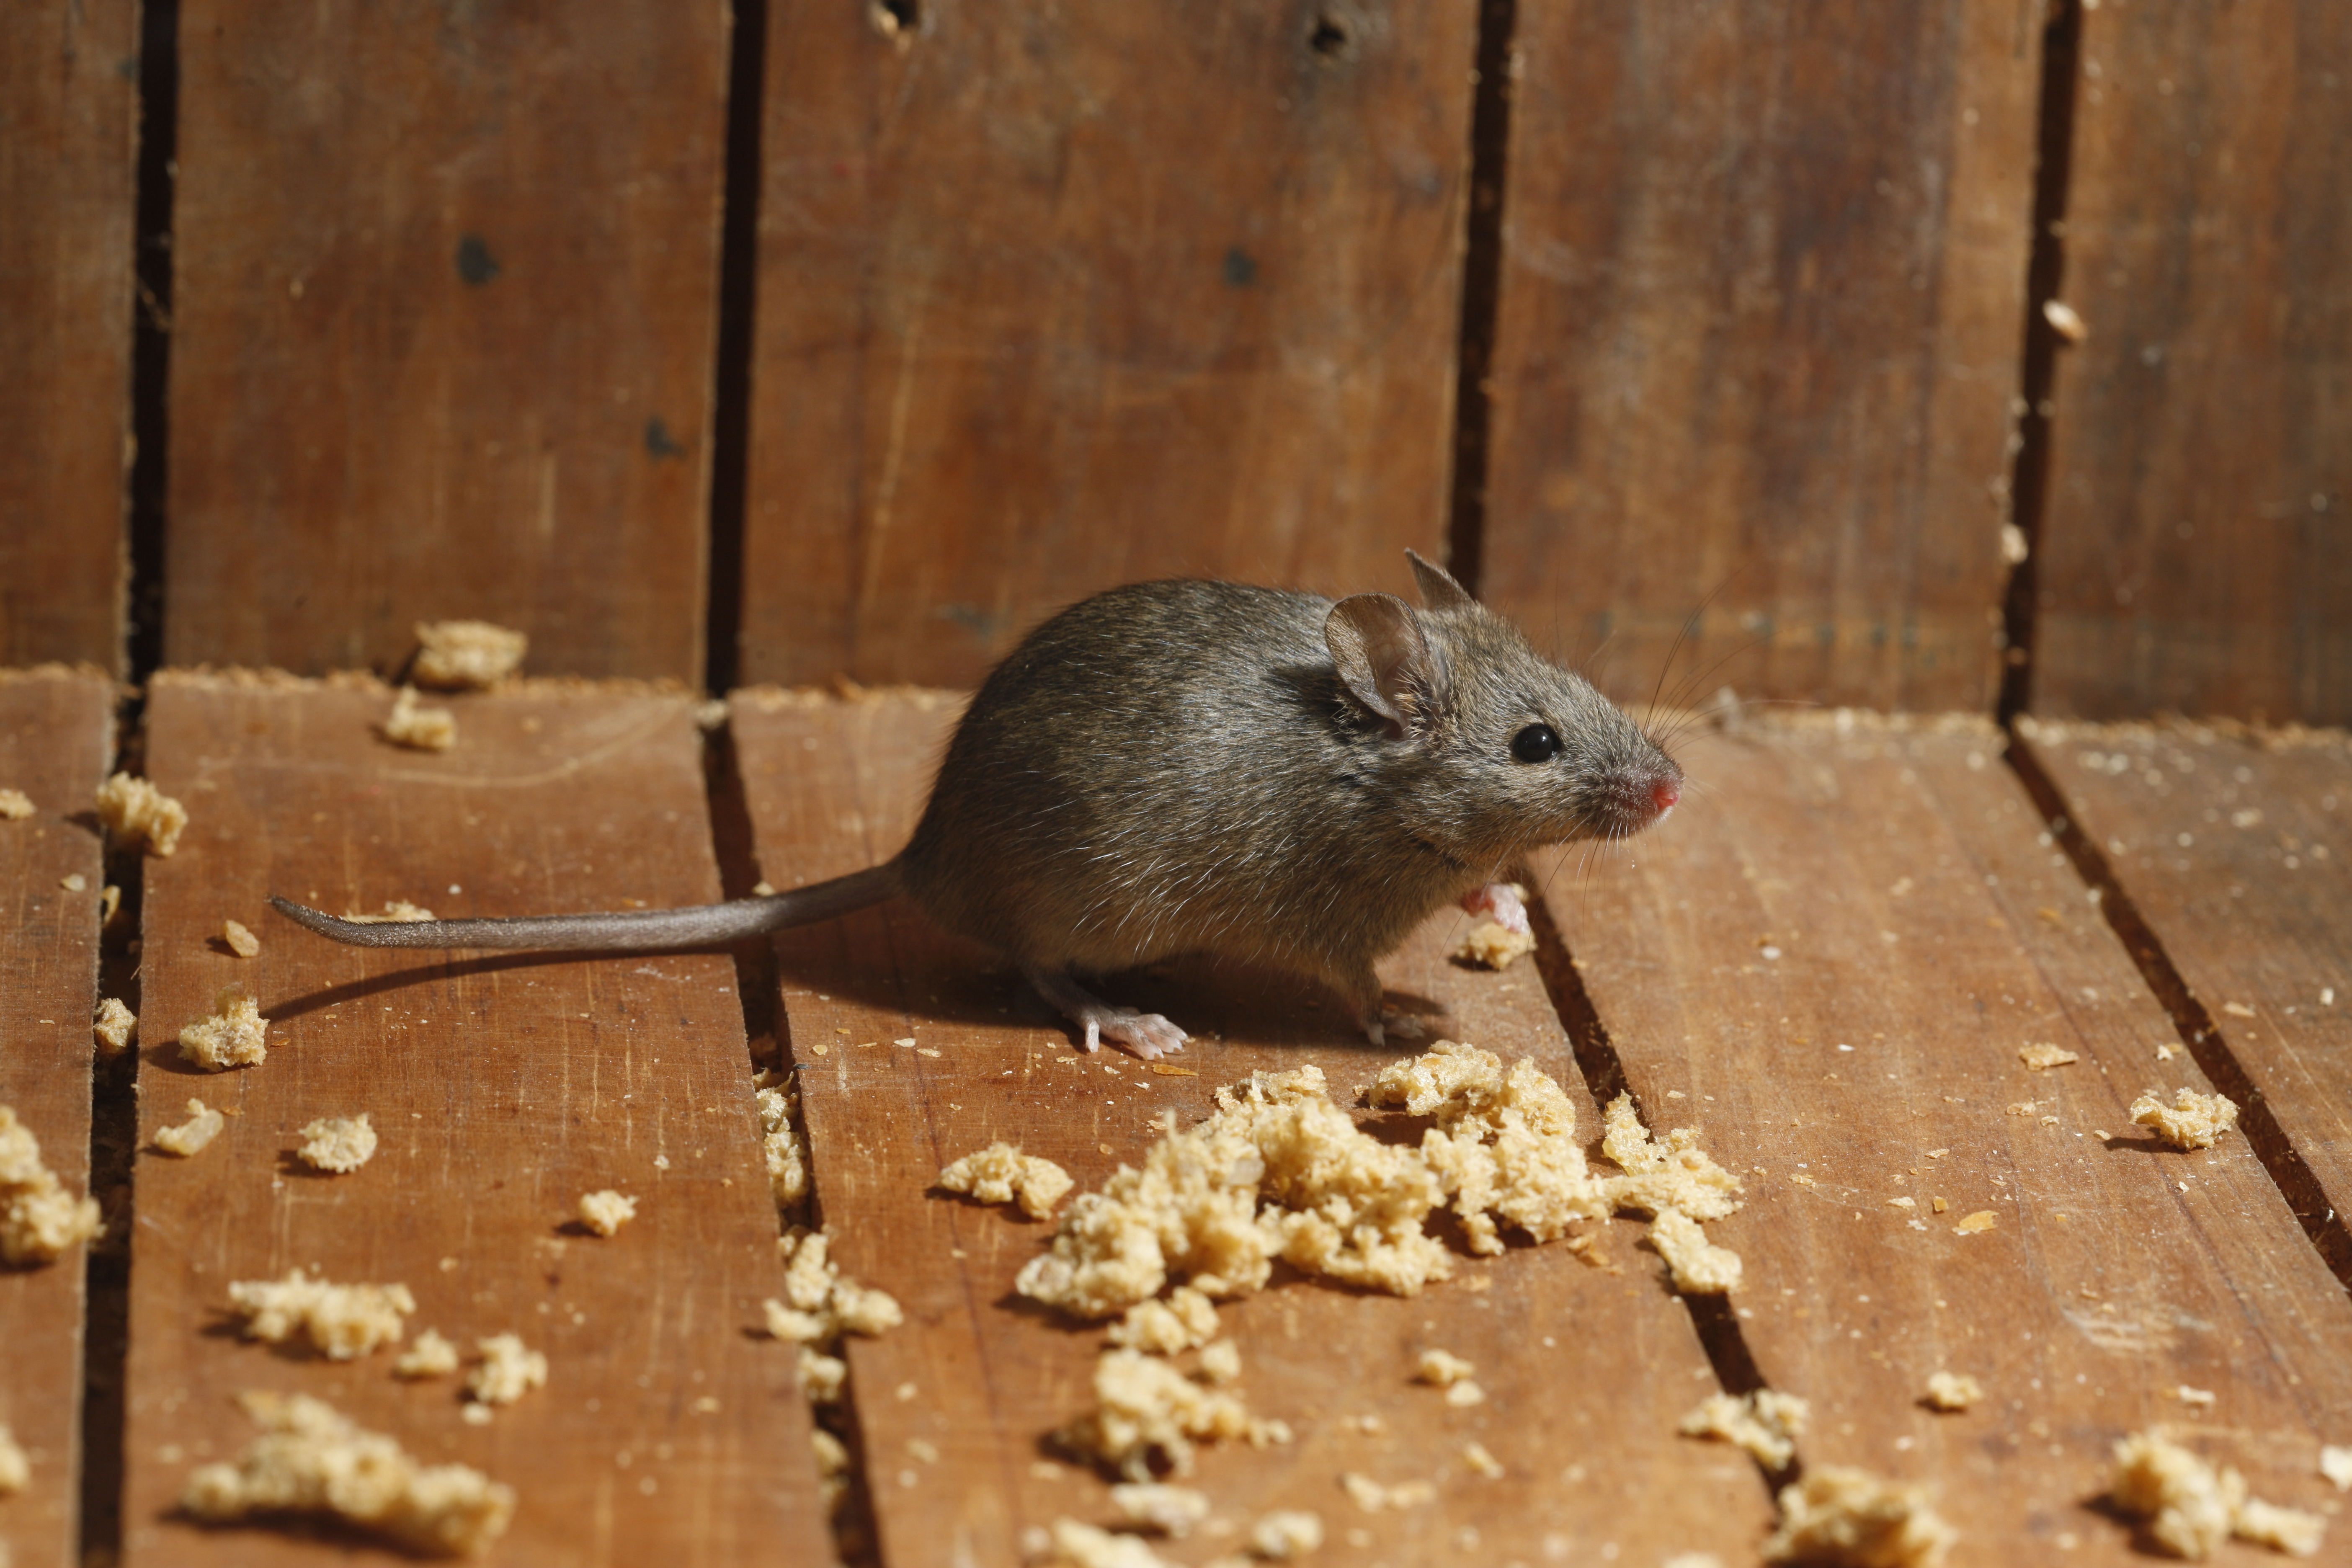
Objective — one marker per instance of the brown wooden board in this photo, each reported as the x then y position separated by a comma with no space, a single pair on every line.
1763,272
56,737
502,1086
2238,858
1587,1370
69,147
2193,553
445,300
1919,918
1055,299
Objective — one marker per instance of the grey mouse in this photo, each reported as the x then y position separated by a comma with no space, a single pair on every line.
1196,767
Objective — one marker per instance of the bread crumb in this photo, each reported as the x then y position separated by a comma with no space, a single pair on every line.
787,1158
1185,1320
2065,321
1475,1455
74,882
1442,1368
136,813
430,1356
1221,1363
2192,1121
232,1037
458,655
1371,1497
39,1220
508,1371
1491,945
1148,1418
340,1143
1982,1220
1462,1395
115,1028
1951,1391
1284,1534
2191,1507
1072,1545
1699,1267
14,805
194,1136
241,942
313,1459
1001,1173
16,1468
341,1322
2336,1463
819,1306
109,900
419,729
607,1211
2041,1058
2202,1398
1156,1505
1693,1560
395,910
1842,1518
1766,1423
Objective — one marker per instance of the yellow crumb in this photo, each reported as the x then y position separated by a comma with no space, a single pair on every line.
1443,1368
39,1220
1373,1497
508,1369
1475,1455
339,1143
241,941
194,1136
1156,1505
16,1468
136,813
14,805
1491,945
1285,1534
1185,1320
2192,1121
818,1306
1842,1518
429,1356
2042,1057
1971,1225
1766,1423
787,1158
1071,1543
341,1322
232,1037
419,729
607,1211
1952,1391
1148,1418
1699,1267
1001,1173
2191,1507
115,1028
462,655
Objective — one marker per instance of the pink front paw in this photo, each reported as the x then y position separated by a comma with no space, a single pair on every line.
1500,899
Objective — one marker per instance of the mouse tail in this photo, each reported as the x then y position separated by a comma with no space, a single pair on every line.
703,925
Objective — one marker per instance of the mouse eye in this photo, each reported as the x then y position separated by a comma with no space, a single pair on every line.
1535,743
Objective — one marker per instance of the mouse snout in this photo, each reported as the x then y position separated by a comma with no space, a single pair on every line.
1664,793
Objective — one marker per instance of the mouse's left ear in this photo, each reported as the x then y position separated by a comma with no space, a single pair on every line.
1377,646
1439,591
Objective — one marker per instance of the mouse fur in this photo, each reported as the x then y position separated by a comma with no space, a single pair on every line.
1196,767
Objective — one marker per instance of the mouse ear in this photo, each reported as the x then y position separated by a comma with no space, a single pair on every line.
1377,646
1439,591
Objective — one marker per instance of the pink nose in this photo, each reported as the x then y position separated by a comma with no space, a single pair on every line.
1664,793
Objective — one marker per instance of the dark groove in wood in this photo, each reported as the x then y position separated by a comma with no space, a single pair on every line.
1482,289
151,351
739,288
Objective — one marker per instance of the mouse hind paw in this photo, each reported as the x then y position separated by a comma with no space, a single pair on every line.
1145,1035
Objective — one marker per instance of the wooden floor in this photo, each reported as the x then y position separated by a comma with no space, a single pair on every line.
1827,960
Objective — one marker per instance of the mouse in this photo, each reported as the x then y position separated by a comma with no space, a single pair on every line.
1194,766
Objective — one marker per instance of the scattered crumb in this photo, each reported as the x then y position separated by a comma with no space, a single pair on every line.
1462,1395
607,1211
2203,1398
1982,1220
1156,1505
117,1027
39,1219
231,1037
313,1459
1475,1455
1951,1391
1148,1418
1442,1368
341,1322
458,655
2191,1507
2192,1121
1373,1497
2065,321
1001,1173
2336,1463
1184,1320
1693,1560
2042,1057
1842,1518
1072,1545
819,1306
241,942
1284,1534
340,1143
1221,1363
1699,1267
419,729
136,811
14,805
395,910
787,1157
74,882
508,1369
16,1469
109,900
430,1356
194,1136
1490,945
1766,1423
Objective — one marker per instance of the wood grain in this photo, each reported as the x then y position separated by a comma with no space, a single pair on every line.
57,734
68,148
1923,932
2193,554
1586,1369
2238,858
503,1089
446,304
1052,300
1758,339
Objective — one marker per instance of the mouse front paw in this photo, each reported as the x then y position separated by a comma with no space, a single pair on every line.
1502,900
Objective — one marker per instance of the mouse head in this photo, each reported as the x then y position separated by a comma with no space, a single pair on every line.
1496,749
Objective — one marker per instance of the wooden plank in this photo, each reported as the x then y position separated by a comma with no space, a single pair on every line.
1052,300
2193,554
57,734
446,305
502,1086
1586,1370
1757,337
2236,856
68,125
1924,933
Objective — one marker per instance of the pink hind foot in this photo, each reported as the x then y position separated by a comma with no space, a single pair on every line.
1146,1034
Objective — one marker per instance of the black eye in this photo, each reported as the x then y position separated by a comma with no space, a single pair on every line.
1535,743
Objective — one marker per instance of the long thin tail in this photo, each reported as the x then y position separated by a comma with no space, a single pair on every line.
705,924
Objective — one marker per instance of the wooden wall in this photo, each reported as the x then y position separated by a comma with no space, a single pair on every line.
1043,301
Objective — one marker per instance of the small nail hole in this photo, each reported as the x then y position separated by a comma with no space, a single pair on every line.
1328,38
